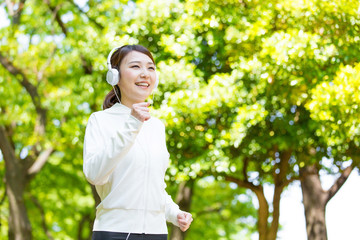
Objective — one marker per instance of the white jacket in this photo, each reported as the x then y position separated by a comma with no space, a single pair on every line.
126,160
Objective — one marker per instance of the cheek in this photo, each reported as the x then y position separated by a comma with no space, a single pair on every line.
127,74
126,78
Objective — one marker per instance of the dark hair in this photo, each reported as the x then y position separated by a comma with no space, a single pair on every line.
115,61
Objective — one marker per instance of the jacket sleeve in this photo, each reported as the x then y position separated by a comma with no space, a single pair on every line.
171,210
101,153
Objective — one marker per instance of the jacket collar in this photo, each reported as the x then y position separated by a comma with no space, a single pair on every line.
118,108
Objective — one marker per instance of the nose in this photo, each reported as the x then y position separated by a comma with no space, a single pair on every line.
145,73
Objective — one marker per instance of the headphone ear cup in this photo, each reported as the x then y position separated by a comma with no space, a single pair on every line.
112,76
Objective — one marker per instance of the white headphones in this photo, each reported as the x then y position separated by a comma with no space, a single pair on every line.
112,76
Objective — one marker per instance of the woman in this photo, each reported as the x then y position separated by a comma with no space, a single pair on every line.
125,154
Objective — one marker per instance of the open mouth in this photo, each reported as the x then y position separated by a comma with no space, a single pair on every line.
142,84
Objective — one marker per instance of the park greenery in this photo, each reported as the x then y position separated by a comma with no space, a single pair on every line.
253,94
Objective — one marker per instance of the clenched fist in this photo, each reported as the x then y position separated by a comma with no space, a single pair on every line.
184,219
141,111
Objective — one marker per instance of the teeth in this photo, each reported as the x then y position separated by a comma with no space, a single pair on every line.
142,84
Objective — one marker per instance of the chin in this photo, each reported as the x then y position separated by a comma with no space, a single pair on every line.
140,100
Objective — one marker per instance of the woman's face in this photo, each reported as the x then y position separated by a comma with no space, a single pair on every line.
137,78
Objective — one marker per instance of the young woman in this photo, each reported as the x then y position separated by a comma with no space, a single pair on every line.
125,155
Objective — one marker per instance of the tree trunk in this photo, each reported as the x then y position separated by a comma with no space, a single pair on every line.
15,177
280,182
274,227
314,200
19,224
263,214
95,195
97,202
183,199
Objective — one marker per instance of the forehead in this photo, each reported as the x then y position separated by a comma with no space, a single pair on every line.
138,57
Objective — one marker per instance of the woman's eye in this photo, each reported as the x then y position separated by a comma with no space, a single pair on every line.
135,66
152,68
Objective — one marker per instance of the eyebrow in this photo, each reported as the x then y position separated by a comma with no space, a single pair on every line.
140,62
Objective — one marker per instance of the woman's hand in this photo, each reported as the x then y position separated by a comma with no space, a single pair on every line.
141,111
184,220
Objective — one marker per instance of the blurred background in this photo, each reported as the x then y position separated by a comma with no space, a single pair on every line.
260,99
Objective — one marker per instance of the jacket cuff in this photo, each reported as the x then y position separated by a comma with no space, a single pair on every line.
173,216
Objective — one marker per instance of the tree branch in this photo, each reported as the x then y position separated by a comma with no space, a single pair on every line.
88,69
84,219
56,15
40,161
244,169
209,210
101,27
242,183
7,151
15,15
42,213
292,179
354,153
95,195
40,74
338,183
263,210
280,179
30,88
3,197
10,8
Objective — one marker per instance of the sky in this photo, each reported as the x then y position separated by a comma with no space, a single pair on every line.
342,211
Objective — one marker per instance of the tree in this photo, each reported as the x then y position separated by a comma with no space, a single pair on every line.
282,58
21,169
64,68
39,134
334,104
243,92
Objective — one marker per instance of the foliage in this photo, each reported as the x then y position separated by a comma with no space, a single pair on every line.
241,84
223,209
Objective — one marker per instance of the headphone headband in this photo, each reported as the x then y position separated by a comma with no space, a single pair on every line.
109,57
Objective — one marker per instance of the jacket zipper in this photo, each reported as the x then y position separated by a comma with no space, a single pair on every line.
146,181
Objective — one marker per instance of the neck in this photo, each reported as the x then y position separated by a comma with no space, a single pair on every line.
129,104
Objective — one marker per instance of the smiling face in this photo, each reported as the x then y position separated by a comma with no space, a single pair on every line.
137,78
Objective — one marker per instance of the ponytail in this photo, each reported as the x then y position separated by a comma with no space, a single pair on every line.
111,98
